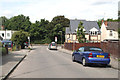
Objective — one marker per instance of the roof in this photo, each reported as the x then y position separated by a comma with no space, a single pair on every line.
6,41
112,26
88,25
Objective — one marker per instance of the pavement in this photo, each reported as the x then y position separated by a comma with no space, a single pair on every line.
13,59
114,61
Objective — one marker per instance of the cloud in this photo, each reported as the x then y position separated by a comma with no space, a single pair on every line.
80,9
101,3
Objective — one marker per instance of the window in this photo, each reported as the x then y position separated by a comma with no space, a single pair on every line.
69,35
2,34
111,34
91,32
95,49
81,49
8,34
95,32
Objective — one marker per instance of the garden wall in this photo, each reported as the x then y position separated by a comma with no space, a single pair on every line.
111,47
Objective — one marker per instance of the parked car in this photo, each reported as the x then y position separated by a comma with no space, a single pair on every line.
91,55
53,46
8,43
111,40
26,44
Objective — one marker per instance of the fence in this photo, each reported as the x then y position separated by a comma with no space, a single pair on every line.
111,47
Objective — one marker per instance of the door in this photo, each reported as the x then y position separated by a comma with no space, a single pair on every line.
80,55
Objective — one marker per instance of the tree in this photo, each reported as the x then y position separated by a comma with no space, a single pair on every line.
3,21
20,38
38,31
80,33
19,22
100,22
57,24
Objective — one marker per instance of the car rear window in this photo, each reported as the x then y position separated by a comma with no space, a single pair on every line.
53,44
95,49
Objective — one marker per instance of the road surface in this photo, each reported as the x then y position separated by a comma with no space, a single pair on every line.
44,63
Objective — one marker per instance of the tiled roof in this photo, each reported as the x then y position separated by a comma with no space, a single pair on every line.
112,26
86,24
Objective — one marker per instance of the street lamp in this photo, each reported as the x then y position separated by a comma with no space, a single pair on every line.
29,40
61,38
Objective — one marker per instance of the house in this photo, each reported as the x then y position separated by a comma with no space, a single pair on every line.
6,34
109,31
1,38
2,27
91,29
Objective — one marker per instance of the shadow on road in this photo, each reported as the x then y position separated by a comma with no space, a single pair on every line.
95,65
11,57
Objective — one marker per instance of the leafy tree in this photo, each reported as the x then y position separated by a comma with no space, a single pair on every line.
80,33
61,20
38,30
19,22
20,38
100,22
3,21
41,31
57,24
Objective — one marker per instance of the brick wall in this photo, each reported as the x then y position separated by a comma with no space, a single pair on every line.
75,46
111,47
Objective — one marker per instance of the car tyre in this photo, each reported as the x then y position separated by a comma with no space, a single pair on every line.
84,62
73,58
105,65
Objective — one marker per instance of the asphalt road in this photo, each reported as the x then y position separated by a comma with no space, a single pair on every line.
44,63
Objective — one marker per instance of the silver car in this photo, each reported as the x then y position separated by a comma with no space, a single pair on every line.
52,46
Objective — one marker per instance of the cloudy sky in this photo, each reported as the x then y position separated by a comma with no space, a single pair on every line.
40,9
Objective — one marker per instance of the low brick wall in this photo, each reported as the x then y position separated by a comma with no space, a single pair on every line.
111,47
75,46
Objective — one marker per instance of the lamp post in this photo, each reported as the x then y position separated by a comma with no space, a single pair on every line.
61,38
28,41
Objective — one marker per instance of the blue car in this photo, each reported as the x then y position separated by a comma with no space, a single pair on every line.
8,43
91,55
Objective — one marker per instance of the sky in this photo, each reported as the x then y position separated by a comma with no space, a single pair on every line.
91,10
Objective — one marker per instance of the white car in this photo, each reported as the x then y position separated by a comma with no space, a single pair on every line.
53,46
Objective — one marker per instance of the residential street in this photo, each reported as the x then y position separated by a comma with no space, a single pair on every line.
44,63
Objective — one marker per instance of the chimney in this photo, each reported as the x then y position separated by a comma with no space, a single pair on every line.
106,23
102,22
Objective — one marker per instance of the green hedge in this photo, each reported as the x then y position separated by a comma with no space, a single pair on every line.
3,51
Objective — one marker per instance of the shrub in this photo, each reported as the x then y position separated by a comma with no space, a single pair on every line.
4,51
19,38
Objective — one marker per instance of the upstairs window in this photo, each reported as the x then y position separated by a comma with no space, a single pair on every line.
69,35
2,34
8,34
111,33
93,32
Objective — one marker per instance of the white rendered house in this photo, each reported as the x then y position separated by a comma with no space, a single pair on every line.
109,30
6,34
